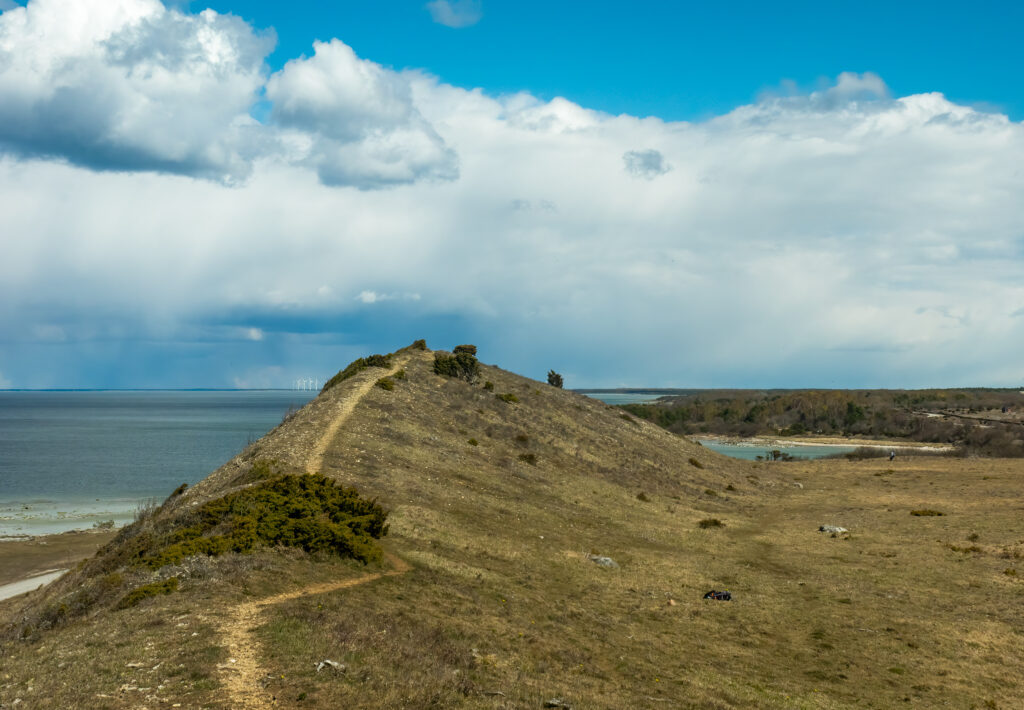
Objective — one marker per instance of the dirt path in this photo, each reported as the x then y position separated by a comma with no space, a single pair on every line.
344,411
242,673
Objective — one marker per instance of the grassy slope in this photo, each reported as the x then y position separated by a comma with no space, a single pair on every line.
502,608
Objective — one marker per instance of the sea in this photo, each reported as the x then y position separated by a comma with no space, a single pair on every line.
74,460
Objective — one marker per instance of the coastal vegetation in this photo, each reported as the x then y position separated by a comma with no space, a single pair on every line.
976,421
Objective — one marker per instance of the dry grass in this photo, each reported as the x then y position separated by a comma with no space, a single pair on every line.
504,608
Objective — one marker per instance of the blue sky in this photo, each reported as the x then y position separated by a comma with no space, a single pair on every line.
744,195
677,61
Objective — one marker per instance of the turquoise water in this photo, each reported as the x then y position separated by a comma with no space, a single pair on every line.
623,397
750,453
70,459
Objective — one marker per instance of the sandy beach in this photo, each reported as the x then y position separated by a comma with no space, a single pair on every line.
35,560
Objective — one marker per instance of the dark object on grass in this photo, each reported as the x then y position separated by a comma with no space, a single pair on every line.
719,596
555,380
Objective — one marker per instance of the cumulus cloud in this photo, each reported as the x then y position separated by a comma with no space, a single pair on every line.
646,164
355,122
129,85
455,13
133,86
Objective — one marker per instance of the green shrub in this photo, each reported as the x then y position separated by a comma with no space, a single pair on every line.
420,344
507,397
357,366
710,492
148,590
710,523
528,458
555,380
629,419
386,383
489,386
730,487
1010,572
473,442
642,497
522,439
400,375
461,365
468,349
925,512
307,511
695,463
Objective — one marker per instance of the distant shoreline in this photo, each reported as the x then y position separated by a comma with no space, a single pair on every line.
829,441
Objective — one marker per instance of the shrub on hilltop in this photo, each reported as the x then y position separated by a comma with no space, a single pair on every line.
357,366
462,364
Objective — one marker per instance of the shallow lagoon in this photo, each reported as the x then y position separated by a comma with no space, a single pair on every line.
750,452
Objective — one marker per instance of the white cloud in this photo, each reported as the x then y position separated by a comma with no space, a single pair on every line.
455,13
129,85
355,122
369,297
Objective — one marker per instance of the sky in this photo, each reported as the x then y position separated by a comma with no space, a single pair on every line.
234,194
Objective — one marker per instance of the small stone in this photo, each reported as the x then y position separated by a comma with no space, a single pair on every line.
558,703
606,562
328,663
834,529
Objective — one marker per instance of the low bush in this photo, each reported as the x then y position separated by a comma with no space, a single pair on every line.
461,365
555,380
311,512
357,366
420,344
507,397
642,497
400,375
386,384
710,523
473,442
629,419
468,349
148,590
522,439
711,492
528,458
489,386
695,463
924,512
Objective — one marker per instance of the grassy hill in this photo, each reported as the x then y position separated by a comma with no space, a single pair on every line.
500,493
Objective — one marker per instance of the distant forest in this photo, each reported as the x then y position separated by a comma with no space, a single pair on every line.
987,422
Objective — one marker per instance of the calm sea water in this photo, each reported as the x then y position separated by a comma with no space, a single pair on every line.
69,459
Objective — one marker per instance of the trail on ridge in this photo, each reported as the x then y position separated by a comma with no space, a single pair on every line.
344,411
242,673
